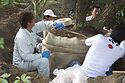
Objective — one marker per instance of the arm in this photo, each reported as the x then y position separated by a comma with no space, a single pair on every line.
42,25
45,25
37,37
122,45
90,40
25,50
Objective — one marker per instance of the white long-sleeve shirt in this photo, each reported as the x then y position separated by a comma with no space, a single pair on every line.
89,18
25,42
24,45
42,25
101,55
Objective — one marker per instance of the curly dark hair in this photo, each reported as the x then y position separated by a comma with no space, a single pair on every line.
25,18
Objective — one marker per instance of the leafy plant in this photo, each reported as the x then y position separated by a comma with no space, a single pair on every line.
23,79
2,43
119,17
6,2
3,78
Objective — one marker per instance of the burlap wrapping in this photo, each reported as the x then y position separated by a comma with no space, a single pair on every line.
64,50
63,44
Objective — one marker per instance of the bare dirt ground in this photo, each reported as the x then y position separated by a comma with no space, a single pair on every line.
8,25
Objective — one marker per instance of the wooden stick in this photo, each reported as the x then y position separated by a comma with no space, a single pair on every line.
119,72
75,33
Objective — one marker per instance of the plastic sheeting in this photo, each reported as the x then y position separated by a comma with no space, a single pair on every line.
70,75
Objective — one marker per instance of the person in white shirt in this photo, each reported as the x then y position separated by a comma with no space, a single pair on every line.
95,12
103,52
24,55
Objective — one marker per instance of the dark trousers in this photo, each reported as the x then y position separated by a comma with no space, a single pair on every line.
109,72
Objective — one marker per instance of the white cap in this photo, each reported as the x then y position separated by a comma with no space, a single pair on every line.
50,13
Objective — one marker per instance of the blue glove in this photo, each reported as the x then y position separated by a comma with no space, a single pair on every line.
46,54
58,25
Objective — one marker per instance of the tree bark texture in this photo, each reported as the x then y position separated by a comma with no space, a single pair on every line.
82,7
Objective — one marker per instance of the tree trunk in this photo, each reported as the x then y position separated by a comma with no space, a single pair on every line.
69,4
38,8
68,7
82,7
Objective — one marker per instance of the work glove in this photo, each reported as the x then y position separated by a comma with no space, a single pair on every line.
46,54
58,25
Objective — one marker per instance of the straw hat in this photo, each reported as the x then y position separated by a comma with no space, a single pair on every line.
65,21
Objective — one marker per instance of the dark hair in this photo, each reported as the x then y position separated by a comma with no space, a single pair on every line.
95,6
118,33
46,16
25,18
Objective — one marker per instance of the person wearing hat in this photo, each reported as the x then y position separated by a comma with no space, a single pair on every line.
49,15
24,55
40,28
47,23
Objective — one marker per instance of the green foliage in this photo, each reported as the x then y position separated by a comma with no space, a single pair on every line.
23,79
3,78
119,17
6,2
5,75
101,2
1,43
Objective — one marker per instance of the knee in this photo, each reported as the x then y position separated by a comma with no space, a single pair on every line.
44,61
